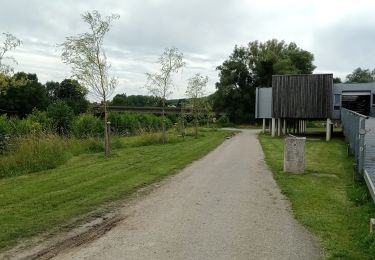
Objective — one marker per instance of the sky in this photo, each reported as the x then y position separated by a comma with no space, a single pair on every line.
340,34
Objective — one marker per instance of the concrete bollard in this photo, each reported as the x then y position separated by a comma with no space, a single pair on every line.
294,154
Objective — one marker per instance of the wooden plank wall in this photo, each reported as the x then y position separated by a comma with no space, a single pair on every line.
302,96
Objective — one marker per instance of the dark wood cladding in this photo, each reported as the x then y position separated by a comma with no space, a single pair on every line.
302,96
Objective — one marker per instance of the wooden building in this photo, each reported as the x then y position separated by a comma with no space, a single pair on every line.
296,99
302,96
293,99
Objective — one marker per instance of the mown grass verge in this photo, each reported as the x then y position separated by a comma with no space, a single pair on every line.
34,203
325,199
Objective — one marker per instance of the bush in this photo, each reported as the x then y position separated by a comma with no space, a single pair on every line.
223,121
62,117
87,125
4,133
131,123
43,119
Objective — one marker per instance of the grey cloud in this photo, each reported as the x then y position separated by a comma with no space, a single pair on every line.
206,31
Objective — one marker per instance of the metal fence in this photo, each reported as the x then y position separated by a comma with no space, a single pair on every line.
354,128
359,131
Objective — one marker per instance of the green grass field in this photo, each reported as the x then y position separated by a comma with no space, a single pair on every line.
37,202
325,199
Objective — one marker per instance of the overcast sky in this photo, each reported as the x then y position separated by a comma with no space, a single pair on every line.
341,34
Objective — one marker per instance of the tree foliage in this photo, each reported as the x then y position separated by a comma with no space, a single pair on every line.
195,92
136,101
86,55
10,43
21,93
337,80
69,90
253,66
360,75
160,83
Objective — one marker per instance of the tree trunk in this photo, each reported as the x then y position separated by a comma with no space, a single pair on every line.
106,132
164,134
196,124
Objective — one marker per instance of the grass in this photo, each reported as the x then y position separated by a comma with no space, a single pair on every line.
36,202
325,199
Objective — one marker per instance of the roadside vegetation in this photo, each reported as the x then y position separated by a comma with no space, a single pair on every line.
39,201
325,199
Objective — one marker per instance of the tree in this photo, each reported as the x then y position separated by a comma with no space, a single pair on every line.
11,42
253,66
235,90
275,57
21,93
86,55
195,93
135,101
337,80
160,84
361,76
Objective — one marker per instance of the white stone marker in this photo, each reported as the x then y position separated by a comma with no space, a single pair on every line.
294,154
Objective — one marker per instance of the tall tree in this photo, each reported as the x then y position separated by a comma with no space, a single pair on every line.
86,55
160,84
11,42
360,75
235,90
195,92
253,66
275,57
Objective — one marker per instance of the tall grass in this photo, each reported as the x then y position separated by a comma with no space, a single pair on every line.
35,153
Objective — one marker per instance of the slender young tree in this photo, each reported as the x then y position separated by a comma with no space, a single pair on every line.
86,55
10,43
195,93
160,84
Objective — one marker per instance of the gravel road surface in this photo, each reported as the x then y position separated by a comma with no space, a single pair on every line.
224,206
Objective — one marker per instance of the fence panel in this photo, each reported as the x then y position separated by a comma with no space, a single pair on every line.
359,131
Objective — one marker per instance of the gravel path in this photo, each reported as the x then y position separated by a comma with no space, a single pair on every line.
224,206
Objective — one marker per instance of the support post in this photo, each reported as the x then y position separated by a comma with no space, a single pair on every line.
269,125
279,127
273,127
328,130
284,127
264,125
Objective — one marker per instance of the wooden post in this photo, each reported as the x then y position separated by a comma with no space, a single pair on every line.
328,130
279,127
264,125
273,127
284,127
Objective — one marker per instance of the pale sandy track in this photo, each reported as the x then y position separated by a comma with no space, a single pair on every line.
224,206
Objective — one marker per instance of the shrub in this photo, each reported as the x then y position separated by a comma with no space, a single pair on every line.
132,123
43,119
4,133
87,125
223,121
62,117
